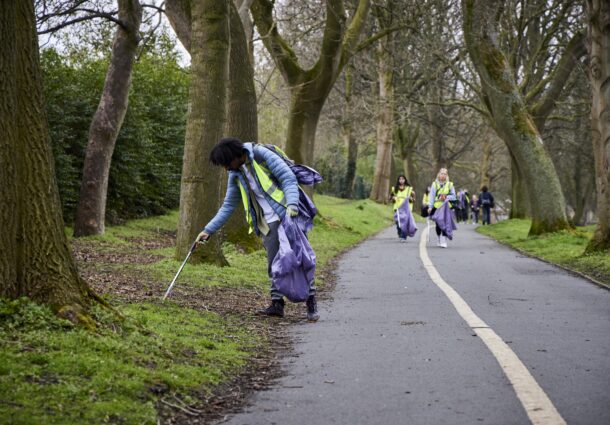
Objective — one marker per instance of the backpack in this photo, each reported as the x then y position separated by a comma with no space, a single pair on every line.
486,199
305,175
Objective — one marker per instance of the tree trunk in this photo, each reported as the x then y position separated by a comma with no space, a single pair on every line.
243,10
520,206
385,120
411,173
577,176
179,16
242,120
348,137
36,261
305,108
511,119
485,177
200,190
435,117
91,209
599,78
310,88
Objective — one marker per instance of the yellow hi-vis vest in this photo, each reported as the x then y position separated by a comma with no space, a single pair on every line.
426,200
401,196
267,184
444,190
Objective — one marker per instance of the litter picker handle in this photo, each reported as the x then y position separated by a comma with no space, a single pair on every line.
171,285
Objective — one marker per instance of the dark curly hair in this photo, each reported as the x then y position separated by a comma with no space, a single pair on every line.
226,151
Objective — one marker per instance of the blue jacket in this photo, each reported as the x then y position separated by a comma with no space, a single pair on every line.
284,176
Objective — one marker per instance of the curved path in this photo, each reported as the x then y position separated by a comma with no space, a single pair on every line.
517,341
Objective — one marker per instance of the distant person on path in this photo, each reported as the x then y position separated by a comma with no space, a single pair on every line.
474,208
401,192
424,203
463,206
268,189
441,190
486,202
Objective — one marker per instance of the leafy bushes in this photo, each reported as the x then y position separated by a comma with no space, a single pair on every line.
145,172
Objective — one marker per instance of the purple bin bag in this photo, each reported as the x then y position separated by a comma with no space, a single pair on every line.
294,265
405,219
445,218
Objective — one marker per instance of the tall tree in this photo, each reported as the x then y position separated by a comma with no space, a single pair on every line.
36,260
347,133
598,13
385,111
242,117
510,117
406,138
201,183
107,121
310,87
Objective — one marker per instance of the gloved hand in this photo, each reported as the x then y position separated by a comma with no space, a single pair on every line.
292,211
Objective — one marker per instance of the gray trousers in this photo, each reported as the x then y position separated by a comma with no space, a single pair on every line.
271,243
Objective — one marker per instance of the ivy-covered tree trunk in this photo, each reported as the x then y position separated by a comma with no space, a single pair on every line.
510,117
310,88
598,12
107,121
35,259
200,189
385,113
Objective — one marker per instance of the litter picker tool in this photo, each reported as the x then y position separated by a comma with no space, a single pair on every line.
171,285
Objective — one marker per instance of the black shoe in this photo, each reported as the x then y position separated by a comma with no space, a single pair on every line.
275,309
312,309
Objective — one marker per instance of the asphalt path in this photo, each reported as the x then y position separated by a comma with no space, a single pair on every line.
391,348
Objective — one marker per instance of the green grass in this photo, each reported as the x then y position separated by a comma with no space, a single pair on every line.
54,373
340,224
565,248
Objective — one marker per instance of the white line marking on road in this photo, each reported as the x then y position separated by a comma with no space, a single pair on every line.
536,403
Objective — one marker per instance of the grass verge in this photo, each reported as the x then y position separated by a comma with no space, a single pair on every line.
565,248
177,352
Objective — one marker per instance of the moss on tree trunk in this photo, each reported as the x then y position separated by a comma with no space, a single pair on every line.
520,205
36,260
599,77
242,120
511,119
201,185
310,88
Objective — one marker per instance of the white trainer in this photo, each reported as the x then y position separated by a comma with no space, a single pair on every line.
443,242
